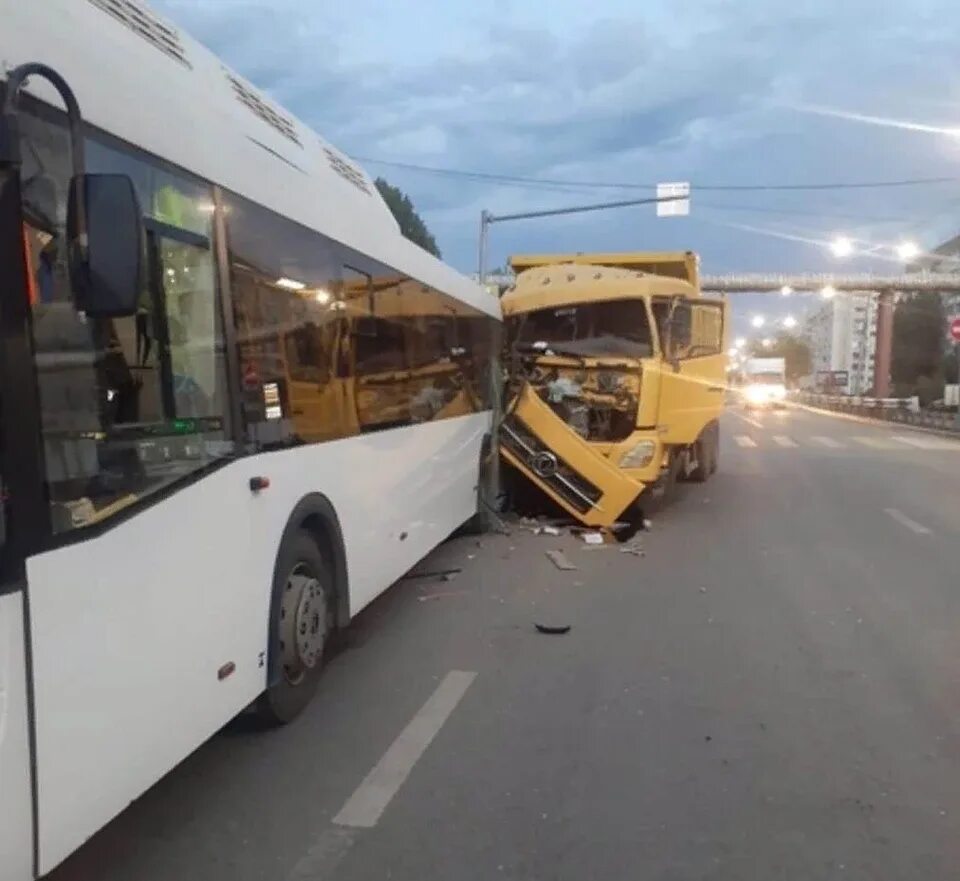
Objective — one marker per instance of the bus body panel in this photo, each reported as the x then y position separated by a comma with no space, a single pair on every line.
16,822
151,610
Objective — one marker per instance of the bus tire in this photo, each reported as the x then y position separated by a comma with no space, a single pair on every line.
304,619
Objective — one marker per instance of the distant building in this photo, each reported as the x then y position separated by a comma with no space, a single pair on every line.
842,335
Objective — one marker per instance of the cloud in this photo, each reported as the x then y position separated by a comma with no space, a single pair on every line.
620,91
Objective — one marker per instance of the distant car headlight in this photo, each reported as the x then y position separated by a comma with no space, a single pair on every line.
640,456
757,394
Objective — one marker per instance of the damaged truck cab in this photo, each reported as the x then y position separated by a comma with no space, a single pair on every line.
617,373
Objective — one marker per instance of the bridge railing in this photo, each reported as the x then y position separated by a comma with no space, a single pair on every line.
903,410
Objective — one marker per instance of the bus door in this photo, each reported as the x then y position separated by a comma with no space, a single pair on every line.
694,367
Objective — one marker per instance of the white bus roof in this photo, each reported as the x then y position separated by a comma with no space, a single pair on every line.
141,78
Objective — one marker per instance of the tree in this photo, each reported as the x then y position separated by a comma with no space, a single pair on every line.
918,335
411,224
794,351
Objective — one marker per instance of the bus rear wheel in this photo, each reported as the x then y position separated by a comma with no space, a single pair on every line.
304,619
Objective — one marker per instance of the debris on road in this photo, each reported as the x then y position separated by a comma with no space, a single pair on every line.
592,538
648,524
559,559
633,548
547,530
552,628
439,574
703,590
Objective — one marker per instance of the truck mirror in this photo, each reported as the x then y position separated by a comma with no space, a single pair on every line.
106,245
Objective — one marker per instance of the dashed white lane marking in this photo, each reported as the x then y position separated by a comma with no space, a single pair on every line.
744,441
372,796
926,443
748,420
827,441
877,443
784,441
904,520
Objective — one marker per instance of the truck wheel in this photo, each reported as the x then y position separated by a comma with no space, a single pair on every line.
704,451
305,619
715,452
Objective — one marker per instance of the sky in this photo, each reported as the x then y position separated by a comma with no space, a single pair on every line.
715,92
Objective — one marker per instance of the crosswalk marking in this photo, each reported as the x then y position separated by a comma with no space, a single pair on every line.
877,443
827,441
925,442
744,441
784,441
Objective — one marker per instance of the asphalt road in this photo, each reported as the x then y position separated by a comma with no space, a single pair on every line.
771,692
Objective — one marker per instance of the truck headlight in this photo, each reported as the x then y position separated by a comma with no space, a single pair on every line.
640,456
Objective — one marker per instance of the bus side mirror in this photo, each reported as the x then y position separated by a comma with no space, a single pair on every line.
106,245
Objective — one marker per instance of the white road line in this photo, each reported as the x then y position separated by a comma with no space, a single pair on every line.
878,443
744,441
827,441
926,443
747,419
904,520
372,796
784,441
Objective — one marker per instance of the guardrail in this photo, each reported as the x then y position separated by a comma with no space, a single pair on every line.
903,410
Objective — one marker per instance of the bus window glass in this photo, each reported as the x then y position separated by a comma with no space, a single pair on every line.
128,405
290,329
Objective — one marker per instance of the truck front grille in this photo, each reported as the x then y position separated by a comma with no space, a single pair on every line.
573,488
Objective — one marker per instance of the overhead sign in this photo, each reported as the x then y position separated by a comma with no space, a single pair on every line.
955,328
678,195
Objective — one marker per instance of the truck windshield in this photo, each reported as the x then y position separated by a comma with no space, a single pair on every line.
611,327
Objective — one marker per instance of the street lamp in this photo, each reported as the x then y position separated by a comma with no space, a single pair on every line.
733,353
907,251
789,322
766,342
758,321
740,342
786,290
828,291
841,246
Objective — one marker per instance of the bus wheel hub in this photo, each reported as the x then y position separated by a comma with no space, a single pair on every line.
303,617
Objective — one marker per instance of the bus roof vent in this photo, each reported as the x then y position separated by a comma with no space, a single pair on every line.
347,170
274,118
145,24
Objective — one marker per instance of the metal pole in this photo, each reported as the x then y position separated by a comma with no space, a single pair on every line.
485,218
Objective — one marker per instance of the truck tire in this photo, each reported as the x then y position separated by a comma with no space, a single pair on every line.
706,449
715,458
305,619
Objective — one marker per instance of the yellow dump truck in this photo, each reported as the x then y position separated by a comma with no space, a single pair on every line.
617,373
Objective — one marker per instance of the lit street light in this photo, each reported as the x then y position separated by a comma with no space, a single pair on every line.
740,342
786,290
789,322
841,246
828,291
733,353
758,321
766,342
907,251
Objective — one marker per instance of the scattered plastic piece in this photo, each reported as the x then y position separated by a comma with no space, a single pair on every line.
559,559
552,628
593,538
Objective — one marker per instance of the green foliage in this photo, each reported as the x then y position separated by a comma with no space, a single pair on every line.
794,351
411,224
918,335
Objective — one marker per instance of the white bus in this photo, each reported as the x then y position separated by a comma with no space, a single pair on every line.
236,406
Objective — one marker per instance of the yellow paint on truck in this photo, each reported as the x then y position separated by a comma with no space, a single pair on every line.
616,377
